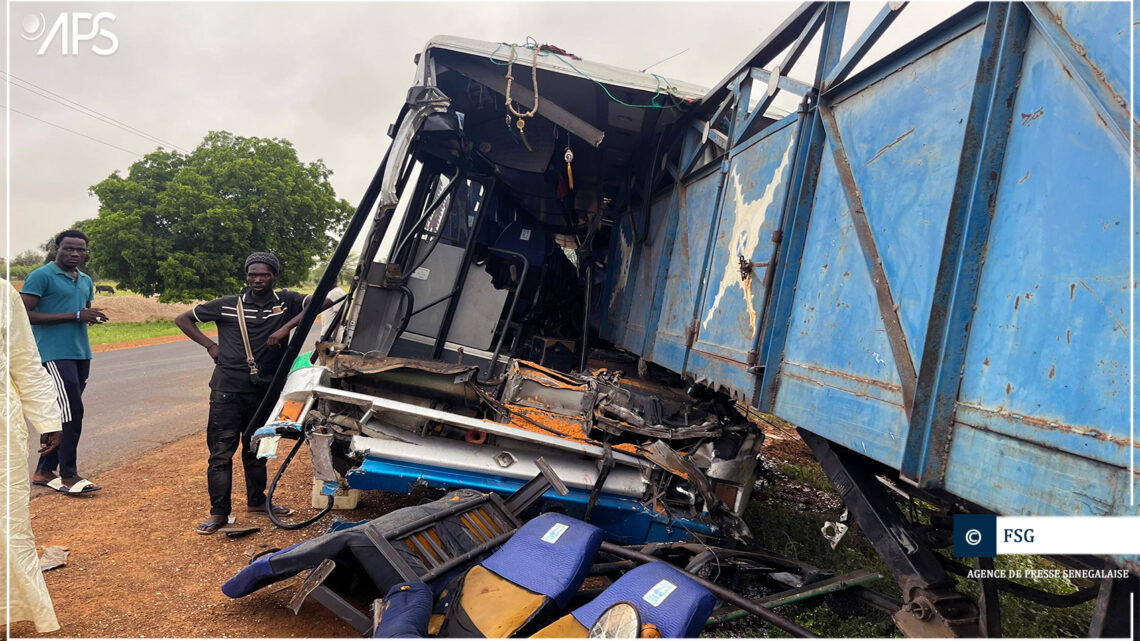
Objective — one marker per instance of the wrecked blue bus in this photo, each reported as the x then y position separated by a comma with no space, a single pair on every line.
925,267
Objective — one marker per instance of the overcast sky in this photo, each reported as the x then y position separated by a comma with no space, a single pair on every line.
330,77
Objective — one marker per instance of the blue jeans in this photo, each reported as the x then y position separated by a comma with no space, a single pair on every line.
70,378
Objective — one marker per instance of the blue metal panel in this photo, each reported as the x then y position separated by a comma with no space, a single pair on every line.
837,379
668,241
626,521
903,137
750,212
963,252
1102,37
1016,477
1049,345
643,278
697,200
618,266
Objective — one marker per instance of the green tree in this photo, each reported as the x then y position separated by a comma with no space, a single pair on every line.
343,279
29,257
181,225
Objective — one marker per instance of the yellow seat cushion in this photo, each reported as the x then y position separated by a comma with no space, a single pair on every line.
565,628
497,607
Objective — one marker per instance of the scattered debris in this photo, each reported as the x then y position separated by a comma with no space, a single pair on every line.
54,557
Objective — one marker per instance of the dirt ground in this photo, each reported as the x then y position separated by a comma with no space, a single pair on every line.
135,308
136,568
142,342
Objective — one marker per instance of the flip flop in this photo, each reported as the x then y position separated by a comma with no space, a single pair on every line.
82,486
213,524
41,483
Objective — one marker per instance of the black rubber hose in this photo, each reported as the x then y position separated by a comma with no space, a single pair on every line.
273,486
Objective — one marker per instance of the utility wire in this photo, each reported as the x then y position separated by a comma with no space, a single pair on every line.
87,111
664,59
102,142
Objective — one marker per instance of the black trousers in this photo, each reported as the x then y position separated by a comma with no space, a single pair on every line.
70,378
230,412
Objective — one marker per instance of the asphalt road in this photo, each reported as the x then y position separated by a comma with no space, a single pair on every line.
138,400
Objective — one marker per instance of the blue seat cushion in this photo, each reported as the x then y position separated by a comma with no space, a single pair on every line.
406,611
664,595
255,576
549,555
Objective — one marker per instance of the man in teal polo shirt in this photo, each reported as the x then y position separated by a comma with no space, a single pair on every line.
58,298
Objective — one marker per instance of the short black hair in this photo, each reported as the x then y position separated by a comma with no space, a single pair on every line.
71,233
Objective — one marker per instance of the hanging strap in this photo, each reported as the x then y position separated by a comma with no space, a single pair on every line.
253,371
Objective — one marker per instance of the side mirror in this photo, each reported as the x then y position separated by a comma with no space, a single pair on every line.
620,621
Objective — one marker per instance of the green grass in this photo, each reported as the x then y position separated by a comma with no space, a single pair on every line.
811,475
789,530
118,332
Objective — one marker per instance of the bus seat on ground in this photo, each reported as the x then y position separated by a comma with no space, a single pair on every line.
664,596
529,579
404,612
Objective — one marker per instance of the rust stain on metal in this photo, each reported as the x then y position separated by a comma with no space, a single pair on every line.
1028,118
1081,52
987,361
1068,337
1072,290
888,308
1017,302
884,149
1046,424
1024,178
1008,389
1119,326
1053,370
844,375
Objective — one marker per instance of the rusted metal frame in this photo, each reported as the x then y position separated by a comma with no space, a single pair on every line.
789,61
1110,106
1110,614
739,102
783,83
989,609
710,136
784,35
870,36
888,308
613,267
781,37
739,114
964,248
665,261
797,594
937,37
805,178
932,606
649,123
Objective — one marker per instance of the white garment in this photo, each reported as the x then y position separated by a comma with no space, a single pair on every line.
29,393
